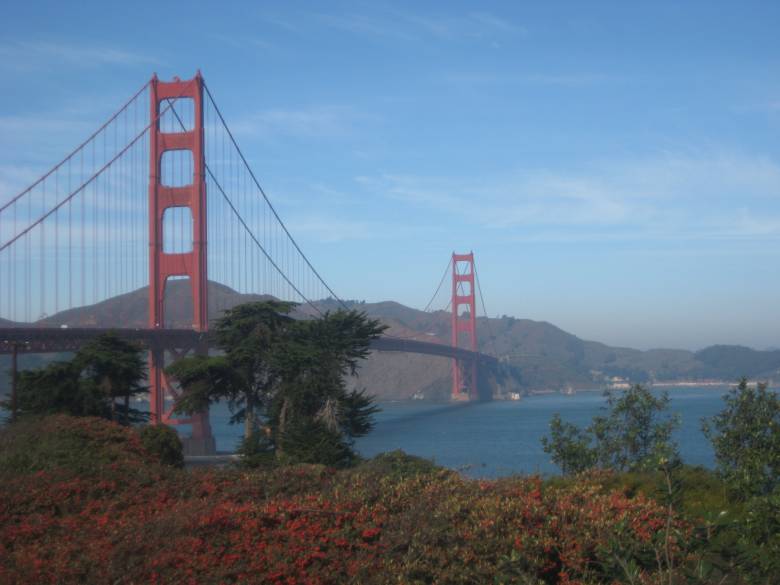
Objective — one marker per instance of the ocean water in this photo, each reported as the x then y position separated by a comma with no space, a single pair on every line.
495,439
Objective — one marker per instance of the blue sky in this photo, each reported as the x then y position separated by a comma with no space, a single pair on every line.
614,167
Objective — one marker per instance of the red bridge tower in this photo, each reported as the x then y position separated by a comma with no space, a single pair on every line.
192,263
464,374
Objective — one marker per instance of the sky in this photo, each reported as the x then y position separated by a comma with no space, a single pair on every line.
614,166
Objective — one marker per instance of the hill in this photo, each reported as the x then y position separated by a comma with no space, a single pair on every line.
547,356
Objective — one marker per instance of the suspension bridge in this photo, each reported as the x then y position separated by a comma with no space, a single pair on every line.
162,192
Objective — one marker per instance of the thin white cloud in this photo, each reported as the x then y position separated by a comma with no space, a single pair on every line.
243,41
472,25
567,80
14,178
309,122
38,55
39,124
403,25
496,23
331,229
709,196
362,24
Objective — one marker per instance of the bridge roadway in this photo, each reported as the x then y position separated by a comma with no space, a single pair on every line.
55,339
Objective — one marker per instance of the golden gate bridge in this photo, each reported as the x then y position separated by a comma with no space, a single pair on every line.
162,192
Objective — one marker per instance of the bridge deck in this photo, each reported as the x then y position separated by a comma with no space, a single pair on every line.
51,340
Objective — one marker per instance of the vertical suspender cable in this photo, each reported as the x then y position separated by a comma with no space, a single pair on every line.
83,230
94,231
56,254
42,256
70,243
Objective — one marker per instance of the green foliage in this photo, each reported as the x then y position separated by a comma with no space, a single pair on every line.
729,362
746,439
256,451
398,465
701,493
206,379
313,441
243,377
313,417
104,370
758,541
634,435
82,501
163,442
116,367
569,446
289,377
56,388
75,445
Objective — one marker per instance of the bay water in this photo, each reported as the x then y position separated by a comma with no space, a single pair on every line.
495,439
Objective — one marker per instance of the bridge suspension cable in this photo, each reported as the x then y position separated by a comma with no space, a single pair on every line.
273,211
487,316
438,288
241,219
79,234
76,150
81,187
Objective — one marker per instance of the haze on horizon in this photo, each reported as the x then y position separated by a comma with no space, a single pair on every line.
614,167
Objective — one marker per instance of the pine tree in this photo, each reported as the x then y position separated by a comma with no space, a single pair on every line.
287,376
104,370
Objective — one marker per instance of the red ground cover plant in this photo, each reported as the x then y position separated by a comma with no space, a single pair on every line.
130,520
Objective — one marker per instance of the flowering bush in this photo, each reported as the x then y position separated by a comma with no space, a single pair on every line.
128,519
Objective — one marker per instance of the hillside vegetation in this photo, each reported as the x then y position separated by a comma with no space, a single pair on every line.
548,357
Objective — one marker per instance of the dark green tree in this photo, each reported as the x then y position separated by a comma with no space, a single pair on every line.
634,434
104,370
117,369
57,388
288,375
313,416
243,375
746,438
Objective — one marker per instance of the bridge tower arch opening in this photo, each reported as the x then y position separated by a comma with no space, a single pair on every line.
167,265
464,326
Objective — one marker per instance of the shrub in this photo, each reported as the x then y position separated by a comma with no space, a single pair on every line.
164,443
759,543
76,445
699,492
397,464
107,368
255,452
309,524
313,441
746,438
634,435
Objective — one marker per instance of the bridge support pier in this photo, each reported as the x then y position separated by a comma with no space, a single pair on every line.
464,380
201,440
